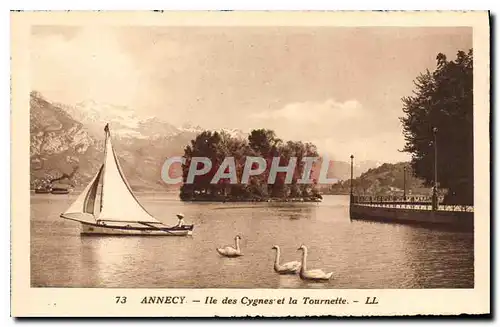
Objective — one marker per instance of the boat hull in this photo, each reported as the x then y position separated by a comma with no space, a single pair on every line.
42,191
99,229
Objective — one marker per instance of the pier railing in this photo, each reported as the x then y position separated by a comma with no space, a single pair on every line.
409,202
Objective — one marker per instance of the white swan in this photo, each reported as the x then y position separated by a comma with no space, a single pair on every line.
316,274
291,267
229,251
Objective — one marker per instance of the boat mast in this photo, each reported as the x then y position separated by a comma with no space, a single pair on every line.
106,135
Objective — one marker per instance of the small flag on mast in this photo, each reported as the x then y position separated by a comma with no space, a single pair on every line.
106,128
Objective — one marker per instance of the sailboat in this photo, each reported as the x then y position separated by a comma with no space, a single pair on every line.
107,205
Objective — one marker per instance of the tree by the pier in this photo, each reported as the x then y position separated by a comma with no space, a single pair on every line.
443,99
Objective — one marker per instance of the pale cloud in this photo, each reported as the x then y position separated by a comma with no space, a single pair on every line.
340,88
117,66
338,129
89,65
312,112
382,146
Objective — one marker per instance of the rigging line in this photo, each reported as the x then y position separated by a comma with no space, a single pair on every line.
106,130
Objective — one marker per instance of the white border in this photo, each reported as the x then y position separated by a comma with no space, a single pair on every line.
145,4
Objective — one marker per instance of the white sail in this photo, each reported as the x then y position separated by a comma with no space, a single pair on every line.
118,203
80,209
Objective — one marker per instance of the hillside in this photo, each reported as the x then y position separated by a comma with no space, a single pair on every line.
386,179
59,144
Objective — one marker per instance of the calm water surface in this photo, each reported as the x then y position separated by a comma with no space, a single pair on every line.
361,254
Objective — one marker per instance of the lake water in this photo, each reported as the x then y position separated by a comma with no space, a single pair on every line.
361,254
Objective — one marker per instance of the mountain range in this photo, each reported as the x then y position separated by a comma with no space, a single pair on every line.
68,141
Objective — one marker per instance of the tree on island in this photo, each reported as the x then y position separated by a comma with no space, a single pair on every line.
443,100
261,143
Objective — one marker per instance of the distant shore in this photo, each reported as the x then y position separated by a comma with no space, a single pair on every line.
240,199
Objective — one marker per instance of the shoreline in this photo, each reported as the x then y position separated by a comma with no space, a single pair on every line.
271,200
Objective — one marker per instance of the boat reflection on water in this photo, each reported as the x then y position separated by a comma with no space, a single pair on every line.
116,261
110,259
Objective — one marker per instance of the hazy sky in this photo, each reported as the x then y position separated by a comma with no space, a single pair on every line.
340,88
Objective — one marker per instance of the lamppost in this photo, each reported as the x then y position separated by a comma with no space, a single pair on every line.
351,197
435,188
404,183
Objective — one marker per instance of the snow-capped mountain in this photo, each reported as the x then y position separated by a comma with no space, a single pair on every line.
124,122
70,138
66,138
234,132
189,128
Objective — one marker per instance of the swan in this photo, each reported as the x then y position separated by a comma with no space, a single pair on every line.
291,267
316,274
229,251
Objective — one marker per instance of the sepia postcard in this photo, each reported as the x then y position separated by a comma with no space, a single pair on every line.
250,164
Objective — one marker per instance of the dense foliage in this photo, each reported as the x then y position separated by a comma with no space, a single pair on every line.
261,143
443,102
